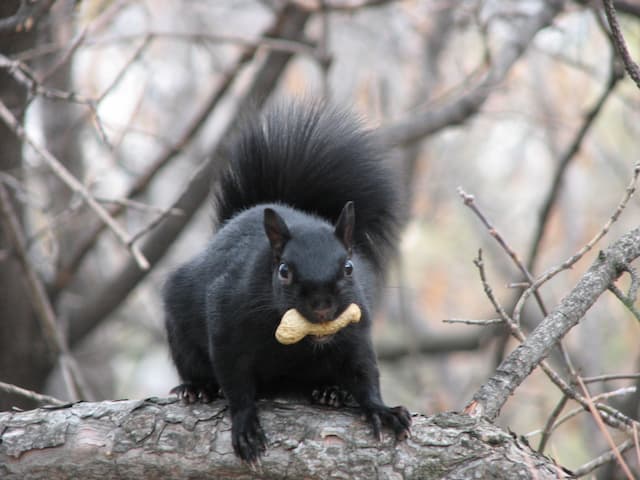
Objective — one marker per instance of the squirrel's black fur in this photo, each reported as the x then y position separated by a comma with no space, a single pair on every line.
288,239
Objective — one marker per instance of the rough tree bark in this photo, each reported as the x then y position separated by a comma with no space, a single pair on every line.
609,265
163,438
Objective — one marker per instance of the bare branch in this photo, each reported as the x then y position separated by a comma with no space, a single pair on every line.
12,122
23,74
618,39
609,377
598,418
491,396
435,118
603,459
269,43
218,91
551,423
469,201
333,6
514,324
492,321
46,315
291,24
552,272
36,397
628,302
474,408
614,76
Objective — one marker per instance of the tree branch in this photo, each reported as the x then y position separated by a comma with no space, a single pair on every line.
614,76
67,272
464,106
161,438
38,398
491,396
618,39
74,382
72,182
102,303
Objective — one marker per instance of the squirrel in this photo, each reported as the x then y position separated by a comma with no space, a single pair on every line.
308,217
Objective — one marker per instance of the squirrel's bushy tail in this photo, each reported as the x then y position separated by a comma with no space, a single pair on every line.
314,158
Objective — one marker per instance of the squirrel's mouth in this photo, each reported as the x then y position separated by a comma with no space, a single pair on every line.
321,339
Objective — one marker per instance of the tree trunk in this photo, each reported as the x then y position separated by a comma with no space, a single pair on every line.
24,359
163,438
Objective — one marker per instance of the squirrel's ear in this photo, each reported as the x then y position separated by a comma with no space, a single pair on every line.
276,230
345,224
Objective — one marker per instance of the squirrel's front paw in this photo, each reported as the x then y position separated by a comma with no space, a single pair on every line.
397,419
247,436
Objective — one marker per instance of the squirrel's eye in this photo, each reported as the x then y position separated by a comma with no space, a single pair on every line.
283,272
348,268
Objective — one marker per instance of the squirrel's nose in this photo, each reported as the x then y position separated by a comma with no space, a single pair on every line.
323,314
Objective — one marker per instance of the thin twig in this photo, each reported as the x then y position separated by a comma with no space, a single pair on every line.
348,7
610,415
23,74
31,395
517,332
73,184
630,298
565,160
576,411
598,418
143,207
618,39
603,459
93,106
417,126
469,201
98,23
549,274
155,222
43,308
608,377
491,321
219,89
626,301
56,221
253,90
266,42
549,426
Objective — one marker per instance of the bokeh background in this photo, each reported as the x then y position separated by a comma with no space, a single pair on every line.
145,72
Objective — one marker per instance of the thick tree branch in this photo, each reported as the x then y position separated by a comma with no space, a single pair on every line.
160,438
491,396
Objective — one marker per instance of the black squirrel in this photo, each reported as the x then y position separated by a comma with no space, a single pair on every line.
290,237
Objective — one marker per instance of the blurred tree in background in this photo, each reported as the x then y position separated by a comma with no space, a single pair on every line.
115,115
